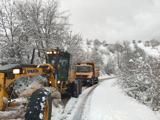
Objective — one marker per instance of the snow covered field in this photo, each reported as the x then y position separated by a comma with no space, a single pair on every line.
104,102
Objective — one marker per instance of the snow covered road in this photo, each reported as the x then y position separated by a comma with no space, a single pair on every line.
106,102
109,103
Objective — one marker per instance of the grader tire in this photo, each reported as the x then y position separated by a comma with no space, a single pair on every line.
40,106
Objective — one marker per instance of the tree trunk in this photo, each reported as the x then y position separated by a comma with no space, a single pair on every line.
33,56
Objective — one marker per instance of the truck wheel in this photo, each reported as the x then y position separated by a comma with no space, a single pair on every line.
96,80
91,82
80,87
39,106
76,90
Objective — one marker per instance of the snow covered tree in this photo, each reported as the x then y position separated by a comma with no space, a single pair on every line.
29,28
109,68
140,76
13,40
74,46
47,27
154,42
95,54
43,23
96,44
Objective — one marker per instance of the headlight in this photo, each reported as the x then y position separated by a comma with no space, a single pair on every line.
55,52
16,71
49,52
59,82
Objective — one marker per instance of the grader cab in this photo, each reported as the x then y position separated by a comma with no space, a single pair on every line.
31,89
60,62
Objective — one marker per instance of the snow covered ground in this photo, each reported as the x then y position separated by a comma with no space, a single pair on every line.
106,76
104,102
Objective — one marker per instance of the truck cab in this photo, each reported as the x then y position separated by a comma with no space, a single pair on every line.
87,73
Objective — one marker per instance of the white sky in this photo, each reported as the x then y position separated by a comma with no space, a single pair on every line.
114,20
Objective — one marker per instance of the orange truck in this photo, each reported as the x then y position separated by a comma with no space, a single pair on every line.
87,73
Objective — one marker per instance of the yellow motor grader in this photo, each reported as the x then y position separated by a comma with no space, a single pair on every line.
29,90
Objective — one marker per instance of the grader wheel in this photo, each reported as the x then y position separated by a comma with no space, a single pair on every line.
40,106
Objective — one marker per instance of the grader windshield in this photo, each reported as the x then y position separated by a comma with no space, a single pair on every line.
60,60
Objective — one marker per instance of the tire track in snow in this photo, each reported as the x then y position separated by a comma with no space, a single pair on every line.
80,109
75,108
